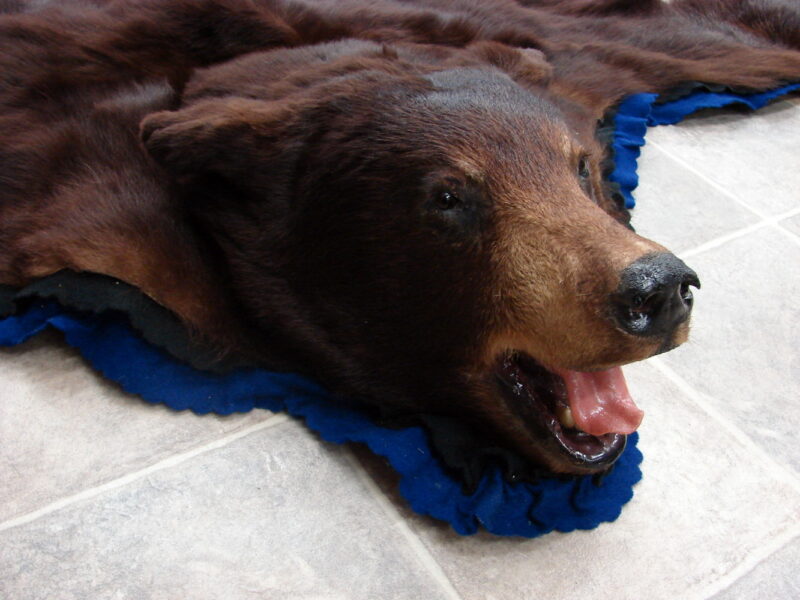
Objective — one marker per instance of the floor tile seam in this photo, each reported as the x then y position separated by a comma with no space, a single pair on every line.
722,240
789,234
738,233
706,179
749,564
777,470
399,522
118,482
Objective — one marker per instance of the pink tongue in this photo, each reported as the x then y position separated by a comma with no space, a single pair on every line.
600,402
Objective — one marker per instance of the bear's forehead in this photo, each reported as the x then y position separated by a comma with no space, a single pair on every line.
456,93
485,106
479,121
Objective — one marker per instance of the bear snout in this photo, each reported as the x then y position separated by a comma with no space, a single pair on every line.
654,296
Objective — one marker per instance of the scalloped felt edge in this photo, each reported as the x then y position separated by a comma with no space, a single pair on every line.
501,507
638,112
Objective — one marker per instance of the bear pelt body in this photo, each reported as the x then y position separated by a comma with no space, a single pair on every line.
389,196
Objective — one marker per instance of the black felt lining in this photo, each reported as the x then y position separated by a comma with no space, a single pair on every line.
94,293
7,305
690,87
465,455
605,135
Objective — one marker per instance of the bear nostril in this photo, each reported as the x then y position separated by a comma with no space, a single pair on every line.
654,295
686,295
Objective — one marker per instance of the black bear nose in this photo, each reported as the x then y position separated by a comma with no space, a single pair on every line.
653,296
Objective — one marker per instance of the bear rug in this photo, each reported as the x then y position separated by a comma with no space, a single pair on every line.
193,105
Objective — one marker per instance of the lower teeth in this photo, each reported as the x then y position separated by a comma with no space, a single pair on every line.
564,414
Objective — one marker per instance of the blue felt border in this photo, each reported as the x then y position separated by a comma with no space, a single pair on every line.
640,111
501,507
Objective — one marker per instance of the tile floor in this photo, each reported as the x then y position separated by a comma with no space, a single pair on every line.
104,496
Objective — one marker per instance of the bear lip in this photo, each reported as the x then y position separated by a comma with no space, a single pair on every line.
538,396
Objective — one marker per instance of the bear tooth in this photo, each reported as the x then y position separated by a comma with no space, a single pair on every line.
564,414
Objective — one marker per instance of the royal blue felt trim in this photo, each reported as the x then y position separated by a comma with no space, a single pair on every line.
640,111
501,507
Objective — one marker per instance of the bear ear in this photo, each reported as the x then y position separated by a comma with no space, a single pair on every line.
524,65
224,135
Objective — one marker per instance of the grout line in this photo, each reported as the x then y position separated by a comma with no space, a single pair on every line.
399,522
785,215
777,470
751,561
790,234
724,239
170,461
716,242
710,182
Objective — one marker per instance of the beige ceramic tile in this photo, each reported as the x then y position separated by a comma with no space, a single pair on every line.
679,209
744,351
754,156
775,578
274,515
674,539
64,429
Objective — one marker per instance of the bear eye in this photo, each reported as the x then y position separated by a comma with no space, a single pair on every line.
583,168
447,201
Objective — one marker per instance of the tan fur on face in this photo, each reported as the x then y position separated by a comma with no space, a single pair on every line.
557,258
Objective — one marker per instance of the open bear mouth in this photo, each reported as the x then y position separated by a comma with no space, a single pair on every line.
582,419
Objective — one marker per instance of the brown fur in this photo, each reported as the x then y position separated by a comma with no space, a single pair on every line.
280,198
